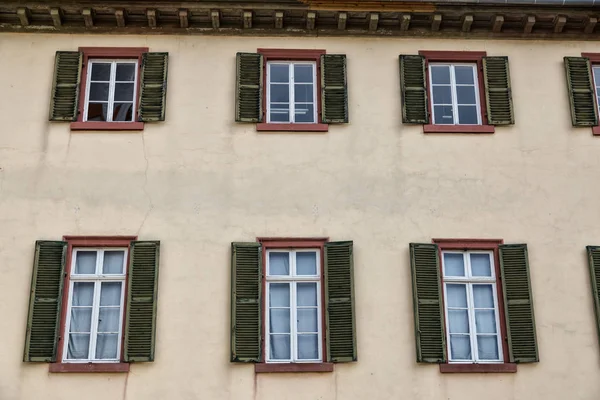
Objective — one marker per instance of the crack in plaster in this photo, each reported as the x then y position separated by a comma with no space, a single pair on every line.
145,186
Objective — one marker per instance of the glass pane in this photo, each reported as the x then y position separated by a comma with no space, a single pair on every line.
465,95
308,347
485,321
279,320
83,294
79,346
279,116
123,91
305,113
467,115
454,264
280,93
106,346
100,72
123,112
456,295
440,74
303,93
126,72
279,294
458,321
460,347
279,263
97,112
113,262
110,294
481,265
308,320
306,263
98,91
81,319
483,296
463,74
280,348
597,75
307,294
279,73
442,95
488,347
443,115
86,262
303,73
108,319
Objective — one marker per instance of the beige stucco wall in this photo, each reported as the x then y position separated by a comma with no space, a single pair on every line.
199,181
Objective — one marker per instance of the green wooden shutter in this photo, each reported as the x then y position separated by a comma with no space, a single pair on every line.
339,302
246,303
142,294
581,91
334,89
518,303
153,87
498,94
413,89
593,253
45,301
430,333
249,87
64,99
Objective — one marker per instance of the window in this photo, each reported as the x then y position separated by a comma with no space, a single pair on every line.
291,92
454,93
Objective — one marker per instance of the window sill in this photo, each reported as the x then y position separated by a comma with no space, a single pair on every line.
475,368
596,130
293,367
107,126
269,127
89,367
431,128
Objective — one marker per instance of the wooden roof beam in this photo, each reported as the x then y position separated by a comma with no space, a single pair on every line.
88,17
311,20
342,20
436,21
497,22
279,19
373,21
529,23
56,14
247,17
184,18
467,21
151,14
590,24
24,15
120,17
215,17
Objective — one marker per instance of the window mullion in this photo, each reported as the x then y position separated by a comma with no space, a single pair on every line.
293,327
292,96
454,95
472,328
111,91
67,334
94,325
88,86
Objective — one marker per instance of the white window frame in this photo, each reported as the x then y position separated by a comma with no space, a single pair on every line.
470,281
291,84
97,279
111,87
596,67
293,279
454,95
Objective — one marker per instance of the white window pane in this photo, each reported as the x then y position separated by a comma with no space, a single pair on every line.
81,319
79,346
464,74
458,321
126,72
279,73
306,263
483,296
308,320
465,95
100,72
279,347
456,295
279,295
443,115
306,293
454,264
467,115
123,92
113,262
279,263
279,320
106,346
83,294
108,319
97,112
308,347
488,347
460,347
485,321
303,73
481,264
442,95
280,93
440,74
98,91
85,262
110,294
303,93
304,113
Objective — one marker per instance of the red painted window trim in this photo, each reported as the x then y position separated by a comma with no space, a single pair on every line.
594,59
107,52
292,55
478,244
293,243
88,241
457,56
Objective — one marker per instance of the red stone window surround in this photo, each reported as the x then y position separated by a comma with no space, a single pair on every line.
475,57
293,243
292,55
479,244
595,60
78,242
107,53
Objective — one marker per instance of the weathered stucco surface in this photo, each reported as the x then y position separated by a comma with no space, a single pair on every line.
199,181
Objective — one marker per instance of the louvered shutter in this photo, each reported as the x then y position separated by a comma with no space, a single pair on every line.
142,296
246,284
413,89
45,301
584,111
498,95
249,87
593,253
339,302
153,87
334,89
64,98
430,333
518,303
